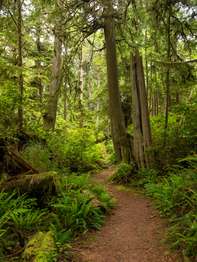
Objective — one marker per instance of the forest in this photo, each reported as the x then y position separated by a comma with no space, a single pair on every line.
98,130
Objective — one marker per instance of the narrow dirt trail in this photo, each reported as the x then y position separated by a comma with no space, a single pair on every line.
132,233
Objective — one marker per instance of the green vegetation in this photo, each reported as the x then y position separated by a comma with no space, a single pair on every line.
40,248
83,85
172,183
78,206
174,190
74,150
123,174
176,198
175,193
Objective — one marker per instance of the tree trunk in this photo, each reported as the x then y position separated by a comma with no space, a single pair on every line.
167,77
65,101
177,97
146,65
137,134
141,122
81,89
119,137
20,66
39,67
54,88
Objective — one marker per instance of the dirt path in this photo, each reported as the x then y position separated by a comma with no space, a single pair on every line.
132,233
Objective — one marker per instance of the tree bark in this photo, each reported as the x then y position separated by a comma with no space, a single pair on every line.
39,67
65,102
54,88
81,88
141,122
119,137
137,134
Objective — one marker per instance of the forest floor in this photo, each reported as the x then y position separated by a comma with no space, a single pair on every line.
133,232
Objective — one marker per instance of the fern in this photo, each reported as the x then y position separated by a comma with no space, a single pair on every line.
76,211
26,219
176,197
190,161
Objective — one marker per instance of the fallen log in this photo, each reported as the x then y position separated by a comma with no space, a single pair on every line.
42,186
47,181
21,161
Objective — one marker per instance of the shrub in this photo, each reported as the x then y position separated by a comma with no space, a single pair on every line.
38,156
183,234
176,197
189,161
145,176
181,134
76,212
8,104
72,151
176,194
81,205
106,202
123,174
18,218
26,219
77,206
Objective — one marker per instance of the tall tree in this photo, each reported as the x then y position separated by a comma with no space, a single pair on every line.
38,65
142,130
54,87
81,87
141,122
119,137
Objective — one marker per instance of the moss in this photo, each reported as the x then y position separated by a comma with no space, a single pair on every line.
40,248
41,186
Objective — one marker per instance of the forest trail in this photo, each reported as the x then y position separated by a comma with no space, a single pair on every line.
132,233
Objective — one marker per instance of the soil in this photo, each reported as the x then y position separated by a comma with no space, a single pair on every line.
134,231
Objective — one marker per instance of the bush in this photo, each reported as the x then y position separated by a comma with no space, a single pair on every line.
181,134
8,104
123,174
145,176
183,234
81,205
176,197
176,194
18,219
77,206
76,211
106,202
72,151
38,156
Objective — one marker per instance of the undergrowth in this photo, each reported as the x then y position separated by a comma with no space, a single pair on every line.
174,189
123,174
78,206
52,208
175,194
74,150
